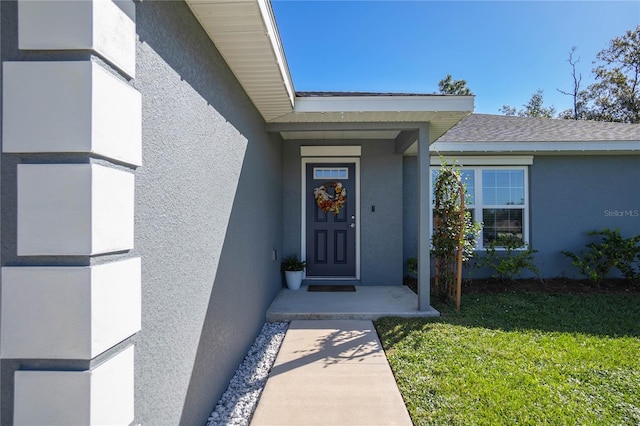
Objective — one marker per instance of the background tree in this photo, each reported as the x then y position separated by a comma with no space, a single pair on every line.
508,110
615,96
449,86
582,109
534,108
578,97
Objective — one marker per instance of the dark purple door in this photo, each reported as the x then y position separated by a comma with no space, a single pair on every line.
331,236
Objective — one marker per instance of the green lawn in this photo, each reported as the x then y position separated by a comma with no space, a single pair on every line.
526,358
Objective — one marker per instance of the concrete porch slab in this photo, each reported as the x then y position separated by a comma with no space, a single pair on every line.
366,303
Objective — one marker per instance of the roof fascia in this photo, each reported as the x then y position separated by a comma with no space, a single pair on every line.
482,160
344,126
276,44
384,103
585,147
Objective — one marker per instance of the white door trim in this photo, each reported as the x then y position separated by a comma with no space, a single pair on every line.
330,151
303,220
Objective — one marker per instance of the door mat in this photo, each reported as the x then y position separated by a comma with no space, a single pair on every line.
330,288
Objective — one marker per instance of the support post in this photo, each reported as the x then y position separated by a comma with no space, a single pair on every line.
424,220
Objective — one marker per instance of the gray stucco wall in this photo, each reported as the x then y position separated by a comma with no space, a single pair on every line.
573,195
409,209
208,215
569,195
381,186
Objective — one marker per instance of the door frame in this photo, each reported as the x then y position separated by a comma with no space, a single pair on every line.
303,216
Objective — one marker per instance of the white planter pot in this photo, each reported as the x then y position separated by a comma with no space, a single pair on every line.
294,279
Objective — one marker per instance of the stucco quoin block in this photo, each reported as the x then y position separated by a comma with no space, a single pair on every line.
68,312
100,25
74,209
70,107
102,396
112,215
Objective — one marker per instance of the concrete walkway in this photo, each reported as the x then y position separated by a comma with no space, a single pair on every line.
331,372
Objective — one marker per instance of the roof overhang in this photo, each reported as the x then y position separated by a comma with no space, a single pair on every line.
383,116
246,35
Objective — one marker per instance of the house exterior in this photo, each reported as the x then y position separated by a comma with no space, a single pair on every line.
545,181
156,166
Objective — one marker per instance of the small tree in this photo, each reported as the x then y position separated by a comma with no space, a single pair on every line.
534,108
449,86
454,237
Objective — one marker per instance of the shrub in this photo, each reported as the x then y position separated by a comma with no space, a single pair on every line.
510,262
412,264
611,251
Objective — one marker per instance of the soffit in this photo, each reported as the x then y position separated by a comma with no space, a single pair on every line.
409,112
245,33
437,128
341,135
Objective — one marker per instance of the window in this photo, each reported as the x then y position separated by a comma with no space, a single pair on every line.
498,198
330,173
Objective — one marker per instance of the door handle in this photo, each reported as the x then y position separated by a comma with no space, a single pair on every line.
352,225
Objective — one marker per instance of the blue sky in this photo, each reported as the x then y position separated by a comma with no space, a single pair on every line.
505,50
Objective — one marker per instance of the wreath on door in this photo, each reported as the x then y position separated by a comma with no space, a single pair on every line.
328,202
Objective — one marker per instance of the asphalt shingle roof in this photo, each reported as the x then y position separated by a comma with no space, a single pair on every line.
501,128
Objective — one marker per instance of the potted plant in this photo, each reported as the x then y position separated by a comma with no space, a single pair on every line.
293,271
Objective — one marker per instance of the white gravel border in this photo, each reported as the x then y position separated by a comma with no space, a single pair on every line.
238,402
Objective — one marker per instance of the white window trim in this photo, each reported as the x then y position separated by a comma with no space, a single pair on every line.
478,205
511,160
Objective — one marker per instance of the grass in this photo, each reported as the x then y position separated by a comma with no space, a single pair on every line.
526,358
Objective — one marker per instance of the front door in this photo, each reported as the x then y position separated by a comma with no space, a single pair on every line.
331,226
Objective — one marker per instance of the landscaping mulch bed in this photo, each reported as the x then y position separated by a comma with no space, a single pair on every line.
554,285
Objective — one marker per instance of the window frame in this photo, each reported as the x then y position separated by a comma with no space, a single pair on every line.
478,205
